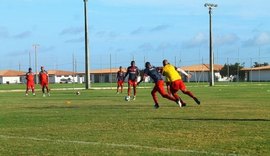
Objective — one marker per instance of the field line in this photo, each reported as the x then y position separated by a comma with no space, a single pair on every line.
112,145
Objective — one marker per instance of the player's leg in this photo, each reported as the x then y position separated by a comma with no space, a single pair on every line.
187,92
26,91
134,84
159,85
117,89
168,84
33,89
128,90
174,88
154,96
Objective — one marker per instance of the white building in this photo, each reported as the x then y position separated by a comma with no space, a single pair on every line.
60,76
258,73
200,72
11,76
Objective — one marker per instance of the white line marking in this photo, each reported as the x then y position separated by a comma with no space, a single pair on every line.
112,144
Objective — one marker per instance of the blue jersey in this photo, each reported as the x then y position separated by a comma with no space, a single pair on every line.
133,72
153,73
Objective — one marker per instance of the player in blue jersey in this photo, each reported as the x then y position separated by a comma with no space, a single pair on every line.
159,83
132,73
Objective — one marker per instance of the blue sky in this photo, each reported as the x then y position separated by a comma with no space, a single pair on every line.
120,30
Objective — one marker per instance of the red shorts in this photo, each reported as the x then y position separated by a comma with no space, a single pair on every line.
178,85
30,85
44,84
159,86
132,83
120,83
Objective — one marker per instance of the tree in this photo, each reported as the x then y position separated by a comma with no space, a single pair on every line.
233,69
256,64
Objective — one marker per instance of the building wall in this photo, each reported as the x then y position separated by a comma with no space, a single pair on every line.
12,80
198,77
263,75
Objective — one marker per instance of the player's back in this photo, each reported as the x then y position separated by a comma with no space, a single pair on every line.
171,73
153,73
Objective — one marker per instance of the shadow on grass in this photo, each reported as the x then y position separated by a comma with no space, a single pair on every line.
214,119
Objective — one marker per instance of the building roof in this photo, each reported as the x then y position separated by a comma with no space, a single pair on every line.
201,67
257,68
11,73
60,72
104,71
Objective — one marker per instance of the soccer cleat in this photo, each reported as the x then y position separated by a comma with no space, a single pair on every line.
180,103
49,94
34,94
156,106
43,95
197,101
26,94
134,98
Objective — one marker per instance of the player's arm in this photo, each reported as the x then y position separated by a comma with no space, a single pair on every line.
183,72
143,75
126,73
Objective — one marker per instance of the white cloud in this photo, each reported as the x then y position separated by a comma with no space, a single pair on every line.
258,40
195,41
226,39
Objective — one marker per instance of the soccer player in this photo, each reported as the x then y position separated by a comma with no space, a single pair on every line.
159,84
120,80
133,72
44,81
30,84
176,82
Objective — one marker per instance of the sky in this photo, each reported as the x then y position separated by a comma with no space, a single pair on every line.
123,30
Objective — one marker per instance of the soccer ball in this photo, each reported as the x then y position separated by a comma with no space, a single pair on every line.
78,93
127,98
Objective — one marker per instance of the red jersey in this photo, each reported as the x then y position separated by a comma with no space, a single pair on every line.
43,76
30,77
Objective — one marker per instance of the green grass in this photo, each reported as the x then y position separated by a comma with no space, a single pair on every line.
234,118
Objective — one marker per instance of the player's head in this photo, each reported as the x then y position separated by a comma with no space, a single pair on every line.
30,69
147,65
165,62
120,67
42,68
132,63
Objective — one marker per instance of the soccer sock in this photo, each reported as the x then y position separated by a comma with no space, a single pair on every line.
128,91
188,93
154,97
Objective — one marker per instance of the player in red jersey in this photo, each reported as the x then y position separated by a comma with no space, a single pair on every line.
30,84
133,72
120,80
44,81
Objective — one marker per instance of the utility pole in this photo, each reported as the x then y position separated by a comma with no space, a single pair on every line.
36,62
87,69
211,60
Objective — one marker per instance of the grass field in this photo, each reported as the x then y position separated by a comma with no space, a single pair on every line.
233,119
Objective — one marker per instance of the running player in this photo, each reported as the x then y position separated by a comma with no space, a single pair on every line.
176,82
133,72
120,80
30,84
159,84
44,81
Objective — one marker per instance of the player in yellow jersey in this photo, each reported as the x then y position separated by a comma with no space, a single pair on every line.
175,78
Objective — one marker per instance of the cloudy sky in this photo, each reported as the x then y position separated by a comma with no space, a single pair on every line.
122,30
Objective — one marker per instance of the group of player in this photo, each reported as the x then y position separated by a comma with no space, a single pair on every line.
43,81
174,82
